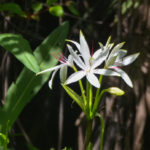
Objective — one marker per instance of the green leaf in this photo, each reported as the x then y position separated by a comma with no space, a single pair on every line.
78,99
50,2
21,49
67,148
31,147
72,8
37,7
12,8
56,10
115,91
28,84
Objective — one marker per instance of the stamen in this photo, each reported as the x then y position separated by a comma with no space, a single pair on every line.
92,48
60,56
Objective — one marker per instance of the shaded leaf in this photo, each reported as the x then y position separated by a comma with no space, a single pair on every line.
78,99
12,8
37,7
72,8
49,2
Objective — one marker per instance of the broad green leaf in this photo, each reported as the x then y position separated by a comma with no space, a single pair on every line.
115,91
50,2
37,7
12,8
28,84
20,48
56,10
78,99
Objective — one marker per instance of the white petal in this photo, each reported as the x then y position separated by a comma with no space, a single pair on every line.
84,49
121,53
125,77
97,53
75,77
63,73
52,78
129,59
93,80
50,69
106,72
70,60
76,58
102,56
116,49
76,43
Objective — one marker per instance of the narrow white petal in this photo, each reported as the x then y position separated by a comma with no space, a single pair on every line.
70,60
75,77
63,73
84,49
76,58
125,77
93,80
106,72
100,59
129,59
76,44
97,53
50,69
50,83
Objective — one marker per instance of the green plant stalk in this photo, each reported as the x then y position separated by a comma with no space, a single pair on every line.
81,87
88,133
97,102
102,131
98,90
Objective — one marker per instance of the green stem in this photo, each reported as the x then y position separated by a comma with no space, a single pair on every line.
97,102
81,87
102,131
88,133
98,90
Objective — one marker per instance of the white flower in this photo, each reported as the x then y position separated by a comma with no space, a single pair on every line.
116,60
89,63
63,68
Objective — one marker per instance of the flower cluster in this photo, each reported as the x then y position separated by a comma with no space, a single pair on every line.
113,58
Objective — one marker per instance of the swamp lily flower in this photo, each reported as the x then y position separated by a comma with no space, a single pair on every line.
89,63
65,63
116,60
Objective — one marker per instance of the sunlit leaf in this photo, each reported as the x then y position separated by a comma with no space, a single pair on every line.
56,10
21,49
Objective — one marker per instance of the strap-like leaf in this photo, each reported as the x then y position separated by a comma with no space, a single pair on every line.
28,84
78,99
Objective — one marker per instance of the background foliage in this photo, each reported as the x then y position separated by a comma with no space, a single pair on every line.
51,119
